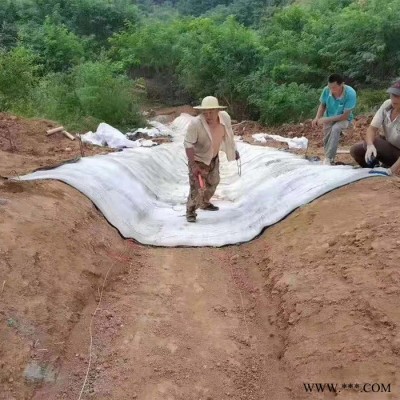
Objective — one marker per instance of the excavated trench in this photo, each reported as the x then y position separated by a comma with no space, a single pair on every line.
314,300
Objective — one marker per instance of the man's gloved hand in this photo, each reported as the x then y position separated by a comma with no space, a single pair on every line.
371,153
381,171
237,155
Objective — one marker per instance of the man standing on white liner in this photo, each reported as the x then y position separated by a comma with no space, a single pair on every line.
206,135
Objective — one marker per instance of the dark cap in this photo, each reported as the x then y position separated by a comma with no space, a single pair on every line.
395,88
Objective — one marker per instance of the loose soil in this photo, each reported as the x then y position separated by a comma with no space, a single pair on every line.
316,298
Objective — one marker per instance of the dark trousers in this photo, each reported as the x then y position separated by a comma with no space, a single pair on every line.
387,154
201,197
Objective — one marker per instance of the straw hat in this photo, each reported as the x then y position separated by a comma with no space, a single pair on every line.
209,103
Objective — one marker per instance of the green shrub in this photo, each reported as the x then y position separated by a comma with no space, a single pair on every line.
370,100
92,92
17,77
290,103
55,98
58,48
216,59
105,95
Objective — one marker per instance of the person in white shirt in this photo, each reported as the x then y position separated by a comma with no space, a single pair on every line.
385,146
206,135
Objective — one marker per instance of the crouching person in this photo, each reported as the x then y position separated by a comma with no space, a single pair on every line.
206,135
335,113
384,147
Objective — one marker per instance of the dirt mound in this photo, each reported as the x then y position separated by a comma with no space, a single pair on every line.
55,248
24,145
352,135
166,115
332,266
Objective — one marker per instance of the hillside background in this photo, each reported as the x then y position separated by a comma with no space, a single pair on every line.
80,62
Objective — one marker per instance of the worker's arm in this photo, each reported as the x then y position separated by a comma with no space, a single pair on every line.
190,155
189,142
320,113
225,118
371,151
191,161
370,136
336,118
372,130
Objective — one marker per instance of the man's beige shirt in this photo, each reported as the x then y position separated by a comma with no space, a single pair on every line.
391,129
199,137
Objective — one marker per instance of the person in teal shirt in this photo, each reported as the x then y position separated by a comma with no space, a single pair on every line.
334,114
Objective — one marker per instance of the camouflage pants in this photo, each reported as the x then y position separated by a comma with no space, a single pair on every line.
199,198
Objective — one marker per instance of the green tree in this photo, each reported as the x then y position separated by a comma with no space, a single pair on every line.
8,27
284,103
199,7
292,45
101,18
356,45
90,93
18,76
149,46
248,16
106,95
217,58
55,98
58,48
97,18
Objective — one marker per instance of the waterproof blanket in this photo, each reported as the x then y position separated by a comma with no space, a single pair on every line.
143,191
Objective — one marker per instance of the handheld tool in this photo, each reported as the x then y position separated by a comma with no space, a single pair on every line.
239,165
201,181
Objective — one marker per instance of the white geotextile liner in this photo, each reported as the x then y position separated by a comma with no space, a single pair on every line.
143,191
106,135
293,143
158,129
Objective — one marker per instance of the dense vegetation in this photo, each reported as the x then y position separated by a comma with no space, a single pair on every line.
83,61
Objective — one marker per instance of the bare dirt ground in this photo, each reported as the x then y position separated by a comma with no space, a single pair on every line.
315,299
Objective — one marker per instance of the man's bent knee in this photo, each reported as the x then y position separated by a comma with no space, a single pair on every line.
357,152
354,150
336,130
